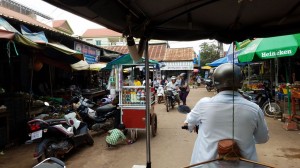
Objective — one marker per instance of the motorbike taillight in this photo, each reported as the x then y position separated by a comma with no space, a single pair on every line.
71,122
34,126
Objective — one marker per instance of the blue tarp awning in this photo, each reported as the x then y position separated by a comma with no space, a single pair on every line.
218,62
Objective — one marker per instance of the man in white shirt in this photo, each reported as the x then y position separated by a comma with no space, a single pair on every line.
172,86
214,116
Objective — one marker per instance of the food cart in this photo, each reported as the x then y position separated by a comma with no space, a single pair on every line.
133,110
132,99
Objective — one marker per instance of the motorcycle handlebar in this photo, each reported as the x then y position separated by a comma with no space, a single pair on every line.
184,127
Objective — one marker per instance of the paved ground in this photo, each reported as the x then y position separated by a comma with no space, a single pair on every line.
171,147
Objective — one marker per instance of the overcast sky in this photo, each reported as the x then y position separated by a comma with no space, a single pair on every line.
73,20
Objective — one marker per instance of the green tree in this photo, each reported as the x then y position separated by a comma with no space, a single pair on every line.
208,53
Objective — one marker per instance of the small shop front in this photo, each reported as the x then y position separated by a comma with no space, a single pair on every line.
175,68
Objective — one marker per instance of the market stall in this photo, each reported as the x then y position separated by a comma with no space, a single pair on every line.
132,99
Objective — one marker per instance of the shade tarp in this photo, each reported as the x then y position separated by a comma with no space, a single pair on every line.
38,37
83,65
206,67
127,60
218,62
270,48
10,32
4,34
64,49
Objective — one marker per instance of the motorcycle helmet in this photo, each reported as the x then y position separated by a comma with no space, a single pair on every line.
183,75
227,75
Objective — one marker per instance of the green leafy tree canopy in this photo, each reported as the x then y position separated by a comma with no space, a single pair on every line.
208,53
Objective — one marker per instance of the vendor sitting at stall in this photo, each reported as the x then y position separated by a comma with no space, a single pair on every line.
137,81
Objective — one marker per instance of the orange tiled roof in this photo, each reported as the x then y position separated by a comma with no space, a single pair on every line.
57,23
62,25
156,52
179,54
161,52
103,32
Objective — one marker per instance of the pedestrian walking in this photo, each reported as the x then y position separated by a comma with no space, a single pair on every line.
184,88
198,80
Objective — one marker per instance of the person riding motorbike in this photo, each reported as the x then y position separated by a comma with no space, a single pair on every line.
226,115
172,86
160,93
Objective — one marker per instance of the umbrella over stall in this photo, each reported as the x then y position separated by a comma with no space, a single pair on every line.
272,48
269,48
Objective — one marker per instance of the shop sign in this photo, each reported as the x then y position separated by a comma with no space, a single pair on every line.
91,54
187,65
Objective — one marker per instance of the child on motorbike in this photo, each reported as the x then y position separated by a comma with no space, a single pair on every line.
160,93
117,136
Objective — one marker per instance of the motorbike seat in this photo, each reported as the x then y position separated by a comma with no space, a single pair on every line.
99,119
102,110
64,130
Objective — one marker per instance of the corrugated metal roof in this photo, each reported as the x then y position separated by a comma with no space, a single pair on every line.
7,13
25,19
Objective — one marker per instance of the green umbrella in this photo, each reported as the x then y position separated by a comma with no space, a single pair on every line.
268,48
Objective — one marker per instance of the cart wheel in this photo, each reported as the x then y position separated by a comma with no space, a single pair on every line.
167,104
153,124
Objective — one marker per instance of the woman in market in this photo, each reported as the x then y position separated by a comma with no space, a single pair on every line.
137,81
184,88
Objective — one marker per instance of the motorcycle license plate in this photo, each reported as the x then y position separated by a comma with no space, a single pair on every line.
36,134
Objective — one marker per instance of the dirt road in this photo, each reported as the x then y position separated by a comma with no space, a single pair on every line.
171,148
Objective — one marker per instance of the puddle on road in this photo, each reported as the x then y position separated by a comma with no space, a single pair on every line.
290,153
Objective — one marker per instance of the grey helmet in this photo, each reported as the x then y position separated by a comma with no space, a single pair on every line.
228,76
183,75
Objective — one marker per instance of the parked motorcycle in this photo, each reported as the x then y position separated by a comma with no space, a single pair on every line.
265,101
103,118
209,84
51,162
57,137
